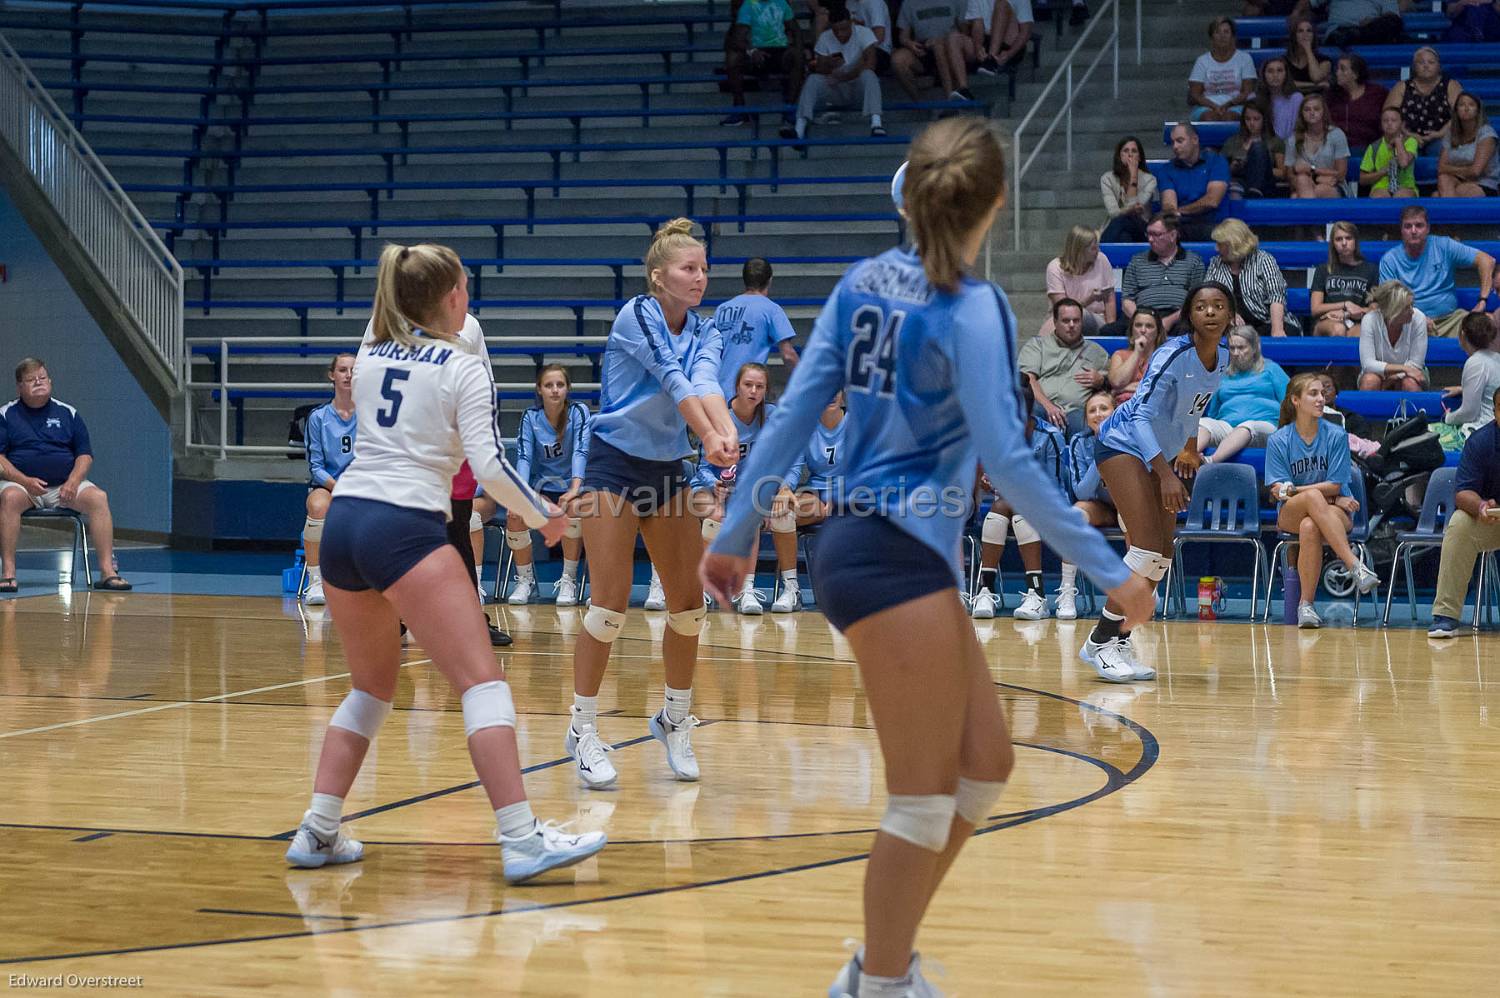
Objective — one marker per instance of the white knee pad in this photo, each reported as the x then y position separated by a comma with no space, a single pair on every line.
488,705
786,523
312,531
574,530
518,540
976,798
1025,532
711,528
921,820
995,528
603,625
476,522
1147,563
361,713
688,623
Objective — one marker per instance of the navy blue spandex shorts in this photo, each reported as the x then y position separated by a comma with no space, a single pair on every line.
368,544
862,565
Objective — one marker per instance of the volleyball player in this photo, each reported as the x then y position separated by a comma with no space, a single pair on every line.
823,462
660,377
1089,494
1141,451
552,447
427,406
925,354
330,448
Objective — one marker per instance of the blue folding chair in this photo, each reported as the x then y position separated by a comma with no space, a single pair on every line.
1359,539
1437,507
80,538
1224,509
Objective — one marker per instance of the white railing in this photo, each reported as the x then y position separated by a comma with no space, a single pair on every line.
1072,83
122,247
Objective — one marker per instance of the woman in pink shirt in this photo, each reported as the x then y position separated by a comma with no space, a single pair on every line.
1083,274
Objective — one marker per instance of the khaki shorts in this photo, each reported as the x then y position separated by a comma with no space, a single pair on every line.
1448,325
51,499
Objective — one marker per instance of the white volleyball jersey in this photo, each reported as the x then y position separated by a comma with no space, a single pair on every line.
423,411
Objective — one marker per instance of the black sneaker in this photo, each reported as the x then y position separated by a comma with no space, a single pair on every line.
877,131
734,120
788,130
498,638
1079,15
1443,627
966,94
990,66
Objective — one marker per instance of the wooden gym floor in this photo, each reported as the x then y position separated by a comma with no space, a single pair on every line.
1282,812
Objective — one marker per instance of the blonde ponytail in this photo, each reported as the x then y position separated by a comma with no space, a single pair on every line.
672,238
955,172
409,289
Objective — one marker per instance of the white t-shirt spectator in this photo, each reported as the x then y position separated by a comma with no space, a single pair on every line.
873,14
1221,80
984,12
930,19
860,38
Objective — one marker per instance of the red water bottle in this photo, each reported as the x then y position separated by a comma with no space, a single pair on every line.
1207,598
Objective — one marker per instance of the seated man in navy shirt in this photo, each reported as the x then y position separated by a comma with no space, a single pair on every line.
1473,528
44,460
1194,184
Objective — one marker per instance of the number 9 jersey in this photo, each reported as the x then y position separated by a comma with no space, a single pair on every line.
422,412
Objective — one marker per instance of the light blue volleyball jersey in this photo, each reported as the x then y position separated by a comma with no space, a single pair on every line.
823,459
923,370
330,443
1163,413
706,474
751,326
646,372
1083,476
550,460
1289,458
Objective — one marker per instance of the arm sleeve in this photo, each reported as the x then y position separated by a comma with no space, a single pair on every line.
1156,394
814,381
705,366
1275,281
1338,144
781,326
1470,475
1279,380
317,462
1472,381
1461,255
474,402
634,333
1338,460
1112,205
794,477
524,445
1367,360
582,433
1198,73
1418,355
1195,274
1320,278
1030,358
1278,469
1388,267
998,426
1130,282
81,444
1367,162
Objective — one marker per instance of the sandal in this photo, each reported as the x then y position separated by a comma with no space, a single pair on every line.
114,584
8,585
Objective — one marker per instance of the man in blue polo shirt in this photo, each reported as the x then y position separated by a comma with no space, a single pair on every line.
1473,528
44,463
1425,263
1194,185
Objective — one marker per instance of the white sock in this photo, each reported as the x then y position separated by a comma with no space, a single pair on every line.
749,582
789,578
585,712
871,986
315,574
526,573
325,812
679,703
570,569
655,579
801,127
479,575
875,121
1069,576
515,820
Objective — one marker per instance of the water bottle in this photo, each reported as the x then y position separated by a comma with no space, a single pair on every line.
1206,602
1291,595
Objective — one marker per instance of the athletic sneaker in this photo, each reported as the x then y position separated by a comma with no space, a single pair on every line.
655,598
1067,603
314,594
1140,671
567,591
545,848
734,120
678,740
1033,606
749,603
989,66
483,596
1443,627
1307,617
311,849
499,638
1365,578
983,607
588,750
1112,664
847,984
521,592
790,600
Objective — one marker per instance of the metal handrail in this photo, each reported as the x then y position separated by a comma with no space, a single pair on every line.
123,248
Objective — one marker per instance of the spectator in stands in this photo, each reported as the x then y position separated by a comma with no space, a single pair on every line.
1083,274
1425,100
1392,342
843,71
1318,156
764,37
876,16
1388,168
1280,95
1473,21
1363,22
1128,365
1425,263
1481,375
1194,184
1256,156
1159,278
1341,286
1309,69
998,32
1063,368
330,448
1474,526
1469,166
1354,103
45,456
929,41
1129,189
752,325
1246,405
1308,468
1255,277
1357,426
1223,79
